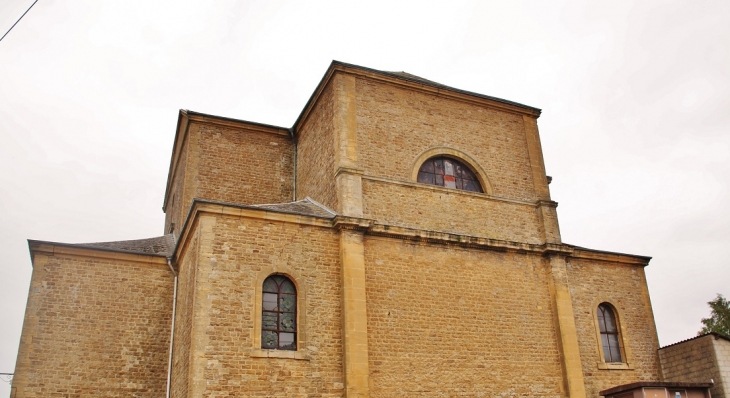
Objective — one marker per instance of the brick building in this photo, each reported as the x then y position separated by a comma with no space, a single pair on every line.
399,240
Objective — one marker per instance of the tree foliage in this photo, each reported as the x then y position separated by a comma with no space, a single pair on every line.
719,320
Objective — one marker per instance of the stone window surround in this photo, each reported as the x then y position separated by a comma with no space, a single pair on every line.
457,155
625,350
256,350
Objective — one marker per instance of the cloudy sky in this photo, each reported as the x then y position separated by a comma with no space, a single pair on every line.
635,101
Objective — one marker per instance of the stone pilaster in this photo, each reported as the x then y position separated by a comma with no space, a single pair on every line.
565,326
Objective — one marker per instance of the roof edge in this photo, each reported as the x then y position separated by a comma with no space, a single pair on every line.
343,66
42,246
715,334
604,255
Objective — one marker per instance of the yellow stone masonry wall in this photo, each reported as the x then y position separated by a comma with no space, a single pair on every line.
449,321
244,166
176,203
316,153
449,210
184,319
95,328
242,249
395,125
624,287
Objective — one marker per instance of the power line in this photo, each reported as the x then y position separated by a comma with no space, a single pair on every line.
16,22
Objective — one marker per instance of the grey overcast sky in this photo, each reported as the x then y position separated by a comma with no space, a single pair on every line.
635,99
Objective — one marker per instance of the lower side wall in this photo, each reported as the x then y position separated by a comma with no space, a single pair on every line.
450,321
95,327
624,287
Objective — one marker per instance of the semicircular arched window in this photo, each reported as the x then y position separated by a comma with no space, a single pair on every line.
449,173
279,314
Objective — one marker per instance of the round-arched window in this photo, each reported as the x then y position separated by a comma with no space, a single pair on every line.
449,173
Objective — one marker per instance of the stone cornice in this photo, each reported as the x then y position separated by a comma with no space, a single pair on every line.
372,228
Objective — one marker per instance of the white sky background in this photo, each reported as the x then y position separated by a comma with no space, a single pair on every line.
635,101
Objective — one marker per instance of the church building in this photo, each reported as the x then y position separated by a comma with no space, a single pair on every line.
399,240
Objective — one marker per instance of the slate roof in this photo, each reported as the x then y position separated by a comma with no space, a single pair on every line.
160,245
304,207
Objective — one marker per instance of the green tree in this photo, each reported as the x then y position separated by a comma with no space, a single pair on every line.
719,320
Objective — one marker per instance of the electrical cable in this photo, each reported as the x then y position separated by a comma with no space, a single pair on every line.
16,22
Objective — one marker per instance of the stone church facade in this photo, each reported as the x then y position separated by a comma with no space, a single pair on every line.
398,241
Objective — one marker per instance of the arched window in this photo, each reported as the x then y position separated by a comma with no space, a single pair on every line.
610,337
449,173
279,314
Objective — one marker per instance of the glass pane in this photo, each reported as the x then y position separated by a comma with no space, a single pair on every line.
269,340
270,301
613,345
601,319
425,178
286,341
470,185
448,167
606,350
287,303
427,166
270,285
438,166
449,181
288,287
288,322
609,320
459,183
439,180
268,320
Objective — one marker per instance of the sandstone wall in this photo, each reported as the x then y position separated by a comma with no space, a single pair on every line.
175,207
448,321
623,286
395,125
182,345
235,255
316,152
448,210
244,166
95,327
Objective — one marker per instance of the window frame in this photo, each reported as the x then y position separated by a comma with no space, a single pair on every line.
459,156
444,176
257,313
625,363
